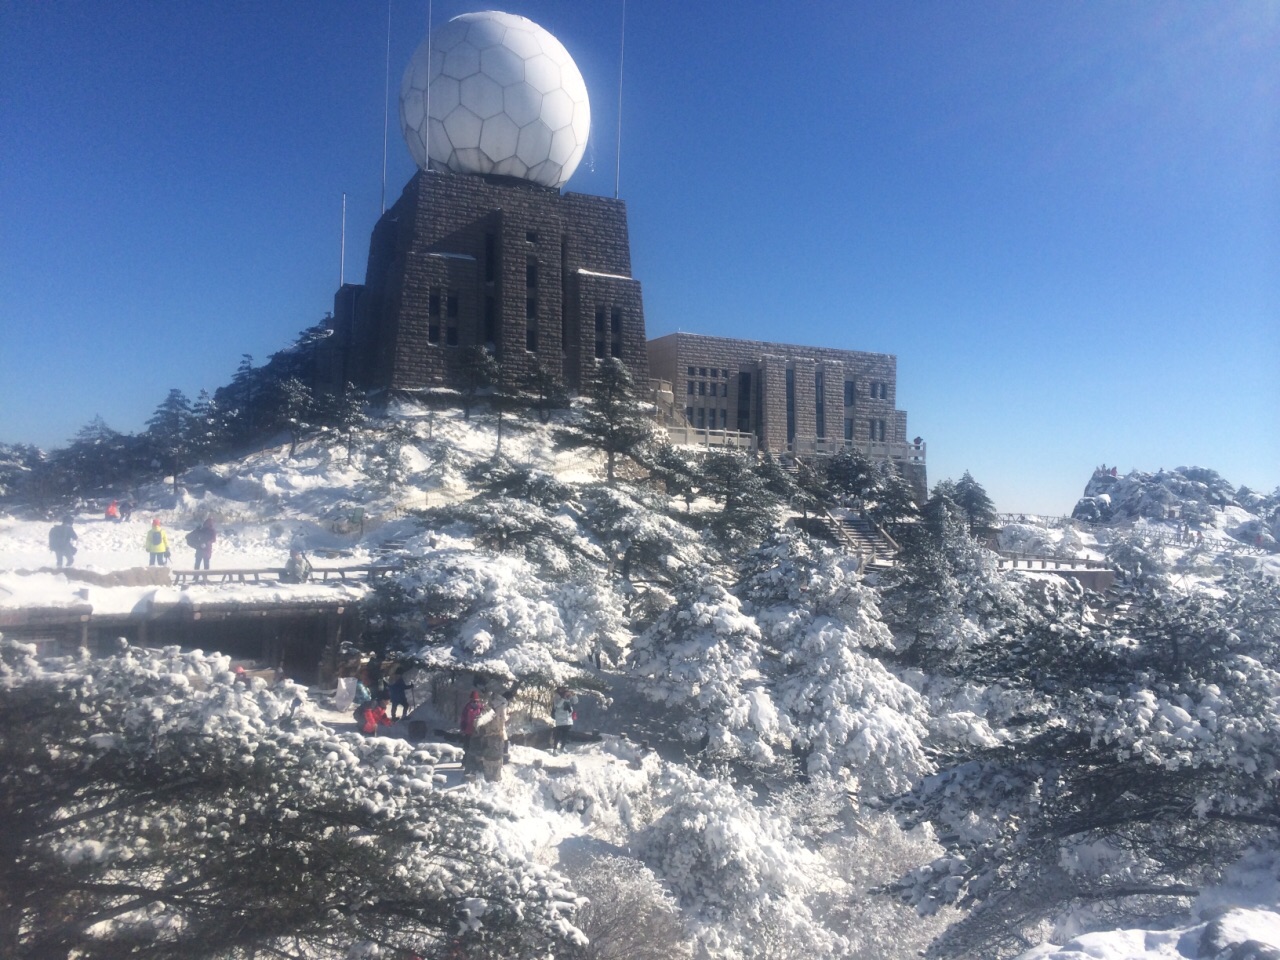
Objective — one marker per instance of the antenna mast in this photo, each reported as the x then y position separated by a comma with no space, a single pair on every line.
386,109
622,53
342,249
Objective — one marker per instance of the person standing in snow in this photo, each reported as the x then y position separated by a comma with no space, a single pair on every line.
157,544
113,511
61,542
562,714
398,689
202,539
298,569
126,509
471,713
492,728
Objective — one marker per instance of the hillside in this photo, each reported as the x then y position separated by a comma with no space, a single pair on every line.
794,758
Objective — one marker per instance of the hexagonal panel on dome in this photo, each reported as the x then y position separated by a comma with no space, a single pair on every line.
557,109
522,103
499,138
446,96
534,145
482,95
563,145
504,96
542,73
523,43
502,65
463,128
462,61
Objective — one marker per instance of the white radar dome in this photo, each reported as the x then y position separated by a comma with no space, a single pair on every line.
495,93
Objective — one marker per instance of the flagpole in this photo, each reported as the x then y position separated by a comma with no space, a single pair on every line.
622,53
386,109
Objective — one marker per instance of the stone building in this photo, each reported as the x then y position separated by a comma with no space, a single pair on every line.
536,276
806,401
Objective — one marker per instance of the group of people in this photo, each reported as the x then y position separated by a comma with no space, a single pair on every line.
379,702
373,694
484,728
63,539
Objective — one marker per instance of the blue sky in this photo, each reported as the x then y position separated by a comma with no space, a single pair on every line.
1062,218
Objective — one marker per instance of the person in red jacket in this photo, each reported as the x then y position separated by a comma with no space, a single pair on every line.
375,715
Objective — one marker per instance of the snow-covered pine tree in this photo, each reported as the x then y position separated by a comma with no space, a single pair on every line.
615,419
155,808
977,506
702,658
845,712
1138,762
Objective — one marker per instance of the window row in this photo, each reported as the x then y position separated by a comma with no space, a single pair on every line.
715,373
704,418
876,390
704,389
875,429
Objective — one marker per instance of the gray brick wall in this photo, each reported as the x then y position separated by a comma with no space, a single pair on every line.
510,256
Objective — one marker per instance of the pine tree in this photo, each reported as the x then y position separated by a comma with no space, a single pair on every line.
846,713
977,506
1137,761
478,370
169,433
614,421
702,659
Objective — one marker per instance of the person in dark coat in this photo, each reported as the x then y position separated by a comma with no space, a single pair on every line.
399,689
126,509
202,539
62,542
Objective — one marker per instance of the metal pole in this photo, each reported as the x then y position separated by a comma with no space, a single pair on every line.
386,109
622,53
342,249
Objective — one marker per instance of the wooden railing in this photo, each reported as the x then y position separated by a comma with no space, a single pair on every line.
276,574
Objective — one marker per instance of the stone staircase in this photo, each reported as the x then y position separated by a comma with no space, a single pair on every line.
865,538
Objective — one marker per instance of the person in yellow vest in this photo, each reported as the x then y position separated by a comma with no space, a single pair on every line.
158,544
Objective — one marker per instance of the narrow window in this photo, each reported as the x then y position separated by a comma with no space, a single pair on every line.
850,391
848,429
820,403
702,418
702,371
451,304
616,321
531,274
433,315
692,372
791,405
688,414
724,419
724,389
744,402
531,338
531,237
490,258
702,388
691,386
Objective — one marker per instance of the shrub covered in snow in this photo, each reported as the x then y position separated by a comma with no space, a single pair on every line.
153,806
